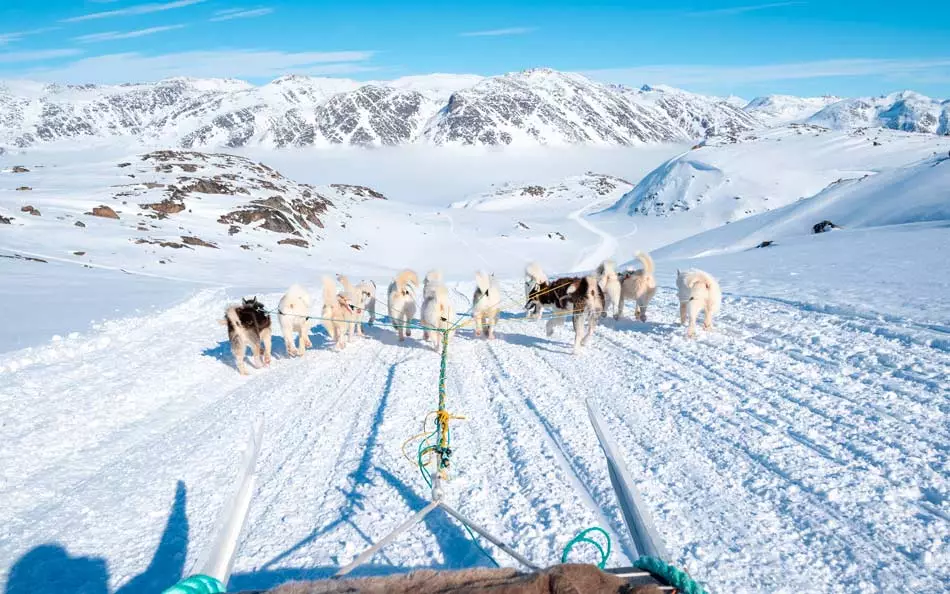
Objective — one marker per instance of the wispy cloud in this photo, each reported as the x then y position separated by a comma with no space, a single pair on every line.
240,13
37,55
7,38
112,35
499,32
133,10
735,75
743,9
135,67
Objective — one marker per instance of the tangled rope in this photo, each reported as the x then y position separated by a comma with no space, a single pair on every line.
582,537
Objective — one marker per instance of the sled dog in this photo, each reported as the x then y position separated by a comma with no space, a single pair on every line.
402,302
248,326
609,283
486,304
638,286
337,313
292,312
437,312
697,291
546,292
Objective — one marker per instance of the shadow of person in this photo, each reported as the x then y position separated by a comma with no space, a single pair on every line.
49,569
168,562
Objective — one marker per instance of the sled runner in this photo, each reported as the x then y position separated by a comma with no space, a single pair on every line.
650,570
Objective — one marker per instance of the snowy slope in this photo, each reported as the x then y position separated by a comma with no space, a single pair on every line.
906,110
918,193
775,110
810,441
582,189
717,184
800,446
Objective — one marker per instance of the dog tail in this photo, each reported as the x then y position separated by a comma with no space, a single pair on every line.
329,291
534,272
407,278
231,315
647,262
713,293
347,286
483,282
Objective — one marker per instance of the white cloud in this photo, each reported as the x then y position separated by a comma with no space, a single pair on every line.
7,38
111,35
133,10
134,67
498,32
735,75
227,15
37,56
743,9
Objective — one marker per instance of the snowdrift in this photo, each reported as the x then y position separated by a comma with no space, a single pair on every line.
913,194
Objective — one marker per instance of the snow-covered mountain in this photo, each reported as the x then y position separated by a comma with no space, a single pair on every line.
907,111
774,110
717,185
916,193
538,106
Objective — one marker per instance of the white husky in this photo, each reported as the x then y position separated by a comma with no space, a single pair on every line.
361,297
639,286
402,302
486,304
609,283
437,312
293,312
697,291
336,313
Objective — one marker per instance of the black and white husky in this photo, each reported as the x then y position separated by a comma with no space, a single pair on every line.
248,326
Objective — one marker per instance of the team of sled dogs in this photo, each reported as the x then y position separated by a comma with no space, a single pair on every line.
585,299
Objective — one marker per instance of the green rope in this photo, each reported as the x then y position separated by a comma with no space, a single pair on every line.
582,537
677,578
197,584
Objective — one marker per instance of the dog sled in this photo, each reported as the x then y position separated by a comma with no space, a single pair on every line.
651,572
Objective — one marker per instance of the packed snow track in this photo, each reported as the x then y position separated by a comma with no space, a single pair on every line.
790,449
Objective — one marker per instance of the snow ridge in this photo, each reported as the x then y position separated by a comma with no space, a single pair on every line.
539,106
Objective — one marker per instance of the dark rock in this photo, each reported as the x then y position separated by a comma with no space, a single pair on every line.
536,191
123,165
244,246
294,241
765,244
208,186
80,224
104,212
5,220
19,257
30,210
24,189
79,253
233,229
824,227
20,169
165,207
189,240
356,246
361,191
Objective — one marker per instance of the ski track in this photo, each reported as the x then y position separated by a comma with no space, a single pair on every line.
791,448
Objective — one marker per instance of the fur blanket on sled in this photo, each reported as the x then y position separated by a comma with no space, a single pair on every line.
561,579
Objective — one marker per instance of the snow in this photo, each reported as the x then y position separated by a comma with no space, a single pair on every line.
775,110
906,110
800,445
718,184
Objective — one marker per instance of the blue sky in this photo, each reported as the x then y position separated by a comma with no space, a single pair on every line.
742,47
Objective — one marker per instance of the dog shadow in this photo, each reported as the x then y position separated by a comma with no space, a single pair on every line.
536,342
638,327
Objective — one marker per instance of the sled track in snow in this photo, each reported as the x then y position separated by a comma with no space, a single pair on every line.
791,448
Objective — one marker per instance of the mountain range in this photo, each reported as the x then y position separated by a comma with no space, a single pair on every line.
532,107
